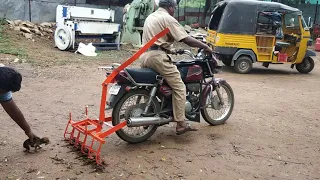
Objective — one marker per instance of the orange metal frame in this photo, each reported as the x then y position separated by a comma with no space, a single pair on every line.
93,128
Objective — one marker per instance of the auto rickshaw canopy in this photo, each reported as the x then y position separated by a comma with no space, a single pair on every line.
240,16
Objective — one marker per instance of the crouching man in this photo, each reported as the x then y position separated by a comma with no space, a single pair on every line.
10,81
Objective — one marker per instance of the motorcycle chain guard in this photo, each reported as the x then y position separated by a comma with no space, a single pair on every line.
88,135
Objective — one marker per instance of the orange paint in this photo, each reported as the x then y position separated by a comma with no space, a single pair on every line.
93,128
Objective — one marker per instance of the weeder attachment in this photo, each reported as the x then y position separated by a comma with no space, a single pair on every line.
88,135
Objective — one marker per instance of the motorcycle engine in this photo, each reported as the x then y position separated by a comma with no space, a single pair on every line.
193,87
192,100
188,107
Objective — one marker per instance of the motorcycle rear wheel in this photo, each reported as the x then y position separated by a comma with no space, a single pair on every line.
134,110
217,106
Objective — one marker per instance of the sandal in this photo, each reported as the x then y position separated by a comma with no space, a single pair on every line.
187,128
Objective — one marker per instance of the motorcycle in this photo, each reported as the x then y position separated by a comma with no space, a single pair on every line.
142,97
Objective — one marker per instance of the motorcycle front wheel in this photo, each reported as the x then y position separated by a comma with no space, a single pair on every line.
214,112
133,105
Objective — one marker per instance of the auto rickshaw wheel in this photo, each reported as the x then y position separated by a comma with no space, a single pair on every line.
306,65
243,65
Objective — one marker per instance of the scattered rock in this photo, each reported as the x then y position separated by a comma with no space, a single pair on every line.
27,29
4,142
24,29
10,22
31,170
37,32
17,22
17,28
40,28
48,30
29,25
36,27
46,24
28,35
74,178
79,172
16,60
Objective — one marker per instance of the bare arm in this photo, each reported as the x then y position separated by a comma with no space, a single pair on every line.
14,112
190,41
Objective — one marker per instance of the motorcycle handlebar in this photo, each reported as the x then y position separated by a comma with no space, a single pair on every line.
188,52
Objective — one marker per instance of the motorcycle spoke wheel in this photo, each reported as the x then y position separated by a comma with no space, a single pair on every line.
133,105
215,113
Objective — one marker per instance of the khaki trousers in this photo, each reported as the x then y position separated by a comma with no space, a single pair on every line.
161,63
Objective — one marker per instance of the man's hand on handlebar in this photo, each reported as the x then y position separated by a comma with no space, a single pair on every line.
208,49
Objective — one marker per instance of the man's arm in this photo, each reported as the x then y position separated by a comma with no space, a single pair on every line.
190,41
14,112
180,35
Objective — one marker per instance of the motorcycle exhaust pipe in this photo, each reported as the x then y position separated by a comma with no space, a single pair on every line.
146,121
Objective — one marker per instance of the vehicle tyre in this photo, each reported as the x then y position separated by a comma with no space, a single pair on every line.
134,110
215,106
243,65
306,65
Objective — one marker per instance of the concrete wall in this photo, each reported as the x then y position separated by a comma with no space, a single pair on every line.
44,10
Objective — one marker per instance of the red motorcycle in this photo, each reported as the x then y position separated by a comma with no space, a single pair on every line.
142,97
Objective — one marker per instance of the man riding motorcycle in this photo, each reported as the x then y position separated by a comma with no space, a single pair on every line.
157,57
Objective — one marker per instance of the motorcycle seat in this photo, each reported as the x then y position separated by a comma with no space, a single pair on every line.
143,75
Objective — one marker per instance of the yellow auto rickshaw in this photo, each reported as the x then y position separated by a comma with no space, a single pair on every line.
242,32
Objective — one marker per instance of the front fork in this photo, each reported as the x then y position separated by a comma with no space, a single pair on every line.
216,86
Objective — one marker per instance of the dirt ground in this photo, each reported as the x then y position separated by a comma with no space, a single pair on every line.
272,133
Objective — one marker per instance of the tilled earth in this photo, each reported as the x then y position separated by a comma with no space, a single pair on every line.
271,134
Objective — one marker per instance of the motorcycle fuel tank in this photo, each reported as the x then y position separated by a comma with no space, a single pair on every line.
194,74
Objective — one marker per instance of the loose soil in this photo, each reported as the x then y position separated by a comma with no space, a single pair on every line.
272,133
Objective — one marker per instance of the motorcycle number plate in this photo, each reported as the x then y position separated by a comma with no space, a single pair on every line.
114,89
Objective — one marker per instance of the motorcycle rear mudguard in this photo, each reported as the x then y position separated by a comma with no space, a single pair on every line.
114,99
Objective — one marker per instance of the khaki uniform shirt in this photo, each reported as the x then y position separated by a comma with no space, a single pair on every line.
157,22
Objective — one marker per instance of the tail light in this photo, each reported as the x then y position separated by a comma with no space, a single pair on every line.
122,78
